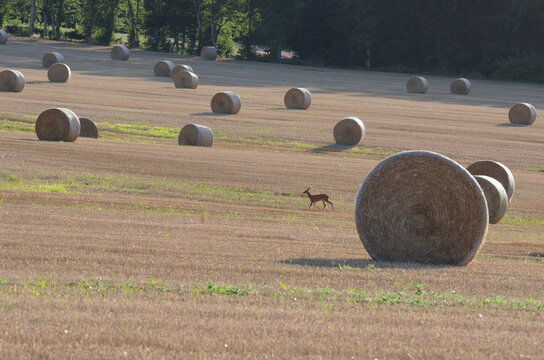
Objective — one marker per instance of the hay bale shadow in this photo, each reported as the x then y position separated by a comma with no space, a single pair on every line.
208,114
358,264
537,254
38,82
512,125
332,148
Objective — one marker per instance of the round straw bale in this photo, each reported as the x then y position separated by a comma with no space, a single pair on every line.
163,68
186,79
196,135
208,53
417,85
179,68
59,73
58,124
496,197
349,131
226,102
420,206
297,98
522,114
497,171
88,128
460,86
52,58
120,52
3,37
12,80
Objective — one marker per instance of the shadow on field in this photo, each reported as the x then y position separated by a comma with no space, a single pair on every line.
332,148
38,82
356,264
536,254
511,125
208,114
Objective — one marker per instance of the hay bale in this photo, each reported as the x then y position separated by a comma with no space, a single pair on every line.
349,131
186,79
163,68
460,86
196,135
12,80
495,196
179,68
522,114
297,98
120,53
497,171
226,102
88,128
420,206
417,85
208,53
3,37
58,124
59,73
52,58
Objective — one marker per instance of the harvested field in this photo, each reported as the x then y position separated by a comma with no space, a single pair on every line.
132,246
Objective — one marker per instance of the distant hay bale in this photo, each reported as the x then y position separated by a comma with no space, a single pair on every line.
297,98
186,79
226,102
52,58
522,114
163,68
3,37
460,86
420,206
196,135
349,131
58,124
120,53
417,85
88,128
497,171
12,80
59,73
179,68
496,197
208,53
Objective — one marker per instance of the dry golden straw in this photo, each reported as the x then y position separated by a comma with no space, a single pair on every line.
179,68
196,135
163,68
58,124
297,98
88,128
12,80
497,171
495,196
460,86
186,79
59,73
417,85
349,131
522,114
208,53
120,53
226,102
3,37
52,58
420,206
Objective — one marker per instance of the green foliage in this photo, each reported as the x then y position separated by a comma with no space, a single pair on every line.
526,68
212,288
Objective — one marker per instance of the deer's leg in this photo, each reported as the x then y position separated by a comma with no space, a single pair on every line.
324,205
330,203
311,203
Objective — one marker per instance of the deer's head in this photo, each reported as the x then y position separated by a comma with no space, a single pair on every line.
307,191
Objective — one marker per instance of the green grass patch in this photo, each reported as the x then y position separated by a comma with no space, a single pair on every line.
7,125
212,288
512,219
541,170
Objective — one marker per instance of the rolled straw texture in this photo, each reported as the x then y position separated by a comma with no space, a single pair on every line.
298,98
120,53
12,80
417,85
163,68
196,135
52,58
349,131
208,53
186,79
522,114
226,102
59,72
58,124
497,171
460,86
88,128
3,37
179,68
495,196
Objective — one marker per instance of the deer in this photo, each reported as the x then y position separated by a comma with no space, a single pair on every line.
315,198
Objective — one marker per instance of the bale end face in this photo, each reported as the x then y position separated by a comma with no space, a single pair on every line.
497,171
179,68
163,68
208,53
226,102
58,124
120,53
186,79
12,80
417,85
349,131
522,114
460,86
88,128
298,98
59,72
195,135
495,196
52,58
3,37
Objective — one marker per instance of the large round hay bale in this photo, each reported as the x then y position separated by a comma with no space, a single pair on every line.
497,171
179,68
349,131
495,196
88,128
52,58
58,124
3,37
12,80
420,206
522,114
460,86
120,53
417,85
59,73
297,98
163,68
196,135
208,53
226,102
186,79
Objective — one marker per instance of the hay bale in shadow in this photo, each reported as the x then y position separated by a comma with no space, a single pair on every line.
298,98
495,196
497,171
52,58
186,79
226,102
59,72
3,37
522,114
88,128
58,124
179,68
349,131
120,53
208,53
163,68
420,206
460,86
195,135
12,80
417,85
